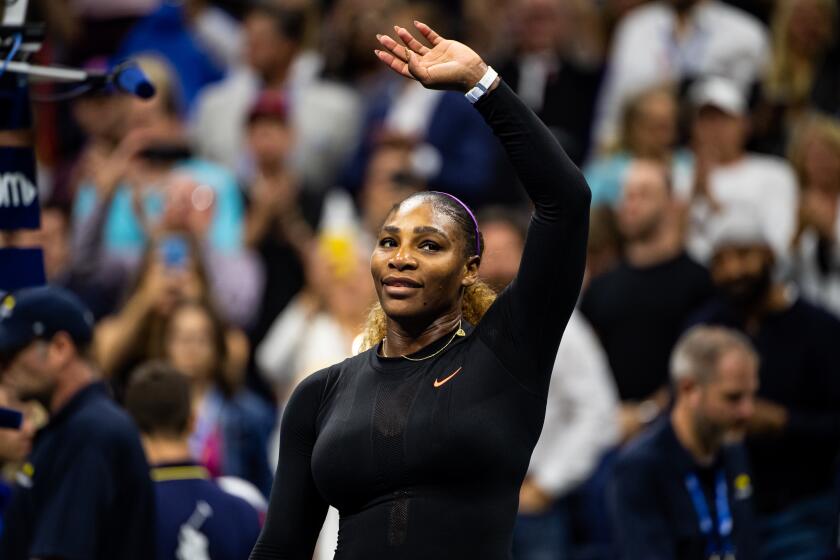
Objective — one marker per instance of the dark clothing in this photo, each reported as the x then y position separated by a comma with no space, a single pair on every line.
425,459
800,370
568,106
652,508
638,314
85,493
195,516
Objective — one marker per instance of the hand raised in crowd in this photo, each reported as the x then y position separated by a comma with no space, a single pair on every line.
767,417
819,209
108,168
447,65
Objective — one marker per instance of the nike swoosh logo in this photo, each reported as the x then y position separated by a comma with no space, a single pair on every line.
439,382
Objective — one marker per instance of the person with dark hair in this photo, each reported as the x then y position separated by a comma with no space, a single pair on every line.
196,519
85,491
232,424
682,490
422,441
273,59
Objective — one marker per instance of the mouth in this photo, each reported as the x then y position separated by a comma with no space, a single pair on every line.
400,285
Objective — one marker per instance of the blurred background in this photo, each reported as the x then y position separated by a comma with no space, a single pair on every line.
225,225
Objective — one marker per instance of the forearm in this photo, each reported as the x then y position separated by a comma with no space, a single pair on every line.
555,185
116,336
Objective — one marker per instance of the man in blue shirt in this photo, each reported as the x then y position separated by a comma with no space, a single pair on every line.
195,518
85,491
682,490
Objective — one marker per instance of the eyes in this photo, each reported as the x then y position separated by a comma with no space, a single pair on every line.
426,245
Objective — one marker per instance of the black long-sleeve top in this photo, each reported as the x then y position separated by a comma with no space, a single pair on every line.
425,459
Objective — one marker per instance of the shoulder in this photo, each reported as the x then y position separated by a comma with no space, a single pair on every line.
102,421
641,19
816,316
770,166
748,28
641,457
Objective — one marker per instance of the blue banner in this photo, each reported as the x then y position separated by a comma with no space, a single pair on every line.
19,207
21,268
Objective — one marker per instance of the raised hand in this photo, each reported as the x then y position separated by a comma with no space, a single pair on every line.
447,65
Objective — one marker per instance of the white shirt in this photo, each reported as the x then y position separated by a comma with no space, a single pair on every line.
720,40
764,183
581,412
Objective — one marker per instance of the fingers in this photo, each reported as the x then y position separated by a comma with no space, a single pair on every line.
395,63
428,33
410,41
397,50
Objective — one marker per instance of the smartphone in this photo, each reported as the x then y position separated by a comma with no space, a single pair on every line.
174,251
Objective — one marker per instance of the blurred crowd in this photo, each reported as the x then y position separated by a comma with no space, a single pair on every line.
223,228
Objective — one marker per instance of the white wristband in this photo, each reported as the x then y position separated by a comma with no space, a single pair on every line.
482,86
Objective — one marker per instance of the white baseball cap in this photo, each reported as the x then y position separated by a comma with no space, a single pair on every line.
721,93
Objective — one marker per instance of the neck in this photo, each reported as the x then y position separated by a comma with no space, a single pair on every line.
73,379
162,449
703,452
275,77
403,340
656,248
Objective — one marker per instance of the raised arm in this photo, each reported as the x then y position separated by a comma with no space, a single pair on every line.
525,325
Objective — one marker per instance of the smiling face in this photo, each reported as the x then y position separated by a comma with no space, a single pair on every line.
419,265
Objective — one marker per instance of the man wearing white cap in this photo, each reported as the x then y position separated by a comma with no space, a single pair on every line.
726,175
794,434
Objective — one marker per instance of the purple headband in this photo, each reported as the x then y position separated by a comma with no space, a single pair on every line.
475,222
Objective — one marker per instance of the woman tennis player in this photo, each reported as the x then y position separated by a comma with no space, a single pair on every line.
422,441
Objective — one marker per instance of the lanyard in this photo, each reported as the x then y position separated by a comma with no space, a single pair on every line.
718,536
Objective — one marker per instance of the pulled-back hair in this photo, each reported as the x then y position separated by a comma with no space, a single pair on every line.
476,299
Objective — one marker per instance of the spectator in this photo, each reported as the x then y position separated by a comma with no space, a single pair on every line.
793,436
637,308
196,519
677,40
726,174
85,492
649,131
682,489
802,75
318,327
281,213
815,155
580,422
274,60
554,70
232,425
125,186
172,269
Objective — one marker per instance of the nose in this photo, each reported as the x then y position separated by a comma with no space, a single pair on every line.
402,259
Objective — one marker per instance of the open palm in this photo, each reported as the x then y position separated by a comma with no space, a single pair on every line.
447,65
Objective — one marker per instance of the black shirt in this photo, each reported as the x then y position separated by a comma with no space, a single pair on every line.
85,493
652,509
638,314
425,459
800,370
